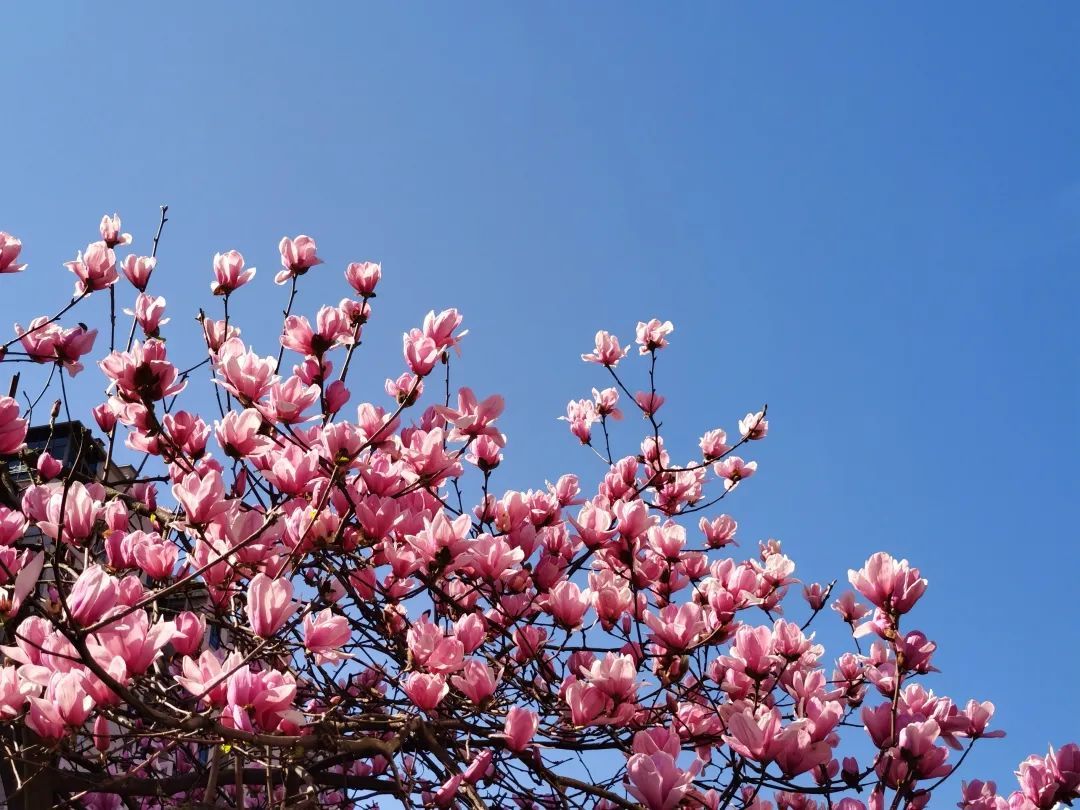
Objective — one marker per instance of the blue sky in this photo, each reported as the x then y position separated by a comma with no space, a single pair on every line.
868,218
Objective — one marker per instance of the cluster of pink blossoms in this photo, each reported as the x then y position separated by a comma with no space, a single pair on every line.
335,604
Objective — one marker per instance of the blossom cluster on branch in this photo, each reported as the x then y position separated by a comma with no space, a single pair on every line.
301,600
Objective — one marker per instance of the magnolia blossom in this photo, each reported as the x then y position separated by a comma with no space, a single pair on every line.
297,257
270,604
520,728
652,335
12,428
137,270
94,269
656,781
230,273
148,314
363,277
608,352
10,248
325,634
111,233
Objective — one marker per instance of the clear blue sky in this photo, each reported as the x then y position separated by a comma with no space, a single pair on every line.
869,218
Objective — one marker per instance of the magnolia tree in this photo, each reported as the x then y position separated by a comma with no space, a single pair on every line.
301,600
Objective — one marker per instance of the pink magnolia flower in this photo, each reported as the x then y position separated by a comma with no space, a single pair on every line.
720,531
753,734
421,352
714,444
815,595
297,257
733,470
890,585
480,767
202,496
752,653
477,681
648,402
796,751
229,273
567,604
754,426
1065,765
134,640
656,781
80,511
190,629
14,690
205,677
66,704
104,417
336,396
39,339
110,231
432,649
13,525
71,345
144,373
850,610
917,742
45,720
405,389
187,431
156,557
492,557
131,591
440,328
448,790
425,690
264,696
216,333
243,373
657,738
10,247
363,277
470,631
270,604
95,269
325,634
520,728
473,418
606,401
486,452
92,596
102,734
1037,784
978,717
677,627
979,795
582,415
12,428
653,335
137,270
607,351
26,580
239,434
615,676
68,692
331,329
286,401
148,314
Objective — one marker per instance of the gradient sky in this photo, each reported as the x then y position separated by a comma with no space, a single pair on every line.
868,218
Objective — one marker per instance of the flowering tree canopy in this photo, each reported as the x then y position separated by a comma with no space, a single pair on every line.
301,600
